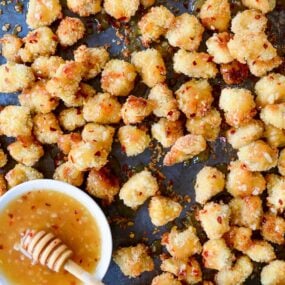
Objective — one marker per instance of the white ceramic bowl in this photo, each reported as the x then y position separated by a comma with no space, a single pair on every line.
84,199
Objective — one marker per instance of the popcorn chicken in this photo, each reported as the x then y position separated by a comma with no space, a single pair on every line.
261,251
209,182
185,148
15,77
43,13
165,279
216,14
249,21
258,156
39,42
46,67
264,6
238,105
46,128
186,32
70,30
84,8
150,65
273,228
26,150
38,99
103,184
138,189
108,109
133,261
3,160
273,273
82,95
66,142
93,59
163,210
66,172
246,211
11,45
21,173
15,121
167,132
207,125
87,155
71,119
188,271
121,10
216,255
281,162
146,4
276,193
261,67
245,134
194,64
234,72
133,140
195,97
118,77
237,275
182,244
3,189
155,23
274,115
218,47
274,136
165,105
241,182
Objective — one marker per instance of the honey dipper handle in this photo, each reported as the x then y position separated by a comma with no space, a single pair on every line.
81,274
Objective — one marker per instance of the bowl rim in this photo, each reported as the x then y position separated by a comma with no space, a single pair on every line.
81,197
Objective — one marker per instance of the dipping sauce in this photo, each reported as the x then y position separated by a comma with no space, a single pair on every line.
53,212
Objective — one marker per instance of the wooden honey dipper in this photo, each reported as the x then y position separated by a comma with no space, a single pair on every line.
46,249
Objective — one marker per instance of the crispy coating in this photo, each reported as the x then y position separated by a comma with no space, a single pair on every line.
207,125
165,279
11,45
38,99
70,30
93,59
209,182
133,140
108,109
261,251
146,4
217,255
21,173
185,32
234,72
84,92
165,105
136,109
84,8
216,14
195,97
274,115
150,65
87,155
274,136
15,77
246,211
118,77
273,273
238,105
194,64
182,244
3,158
3,187
133,261
281,162
218,48
103,184
138,189
242,182
185,148
26,150
121,10
188,271
167,132
71,119
15,121
66,172
264,6
67,141
245,134
39,42
155,23
258,156
43,13
46,128
163,210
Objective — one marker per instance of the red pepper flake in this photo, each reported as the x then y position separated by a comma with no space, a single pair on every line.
194,62
205,253
98,153
55,227
47,204
52,129
280,202
11,216
265,46
76,212
1,247
219,219
196,272
33,207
